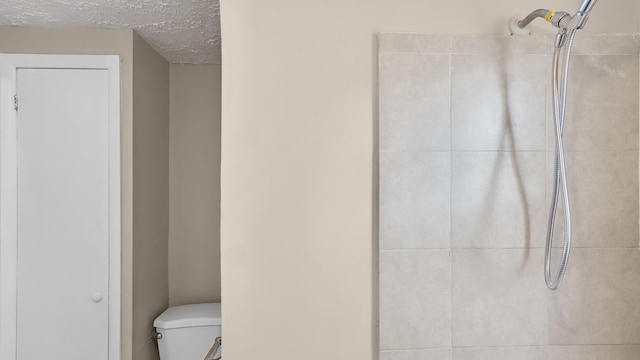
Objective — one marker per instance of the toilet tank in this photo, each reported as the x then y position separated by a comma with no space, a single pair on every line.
187,332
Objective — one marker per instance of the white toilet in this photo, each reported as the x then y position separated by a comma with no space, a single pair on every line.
188,332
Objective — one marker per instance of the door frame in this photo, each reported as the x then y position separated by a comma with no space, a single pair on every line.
9,64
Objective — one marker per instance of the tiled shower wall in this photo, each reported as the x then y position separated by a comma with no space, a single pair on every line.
466,159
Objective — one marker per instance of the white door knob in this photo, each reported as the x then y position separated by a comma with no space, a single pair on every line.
96,296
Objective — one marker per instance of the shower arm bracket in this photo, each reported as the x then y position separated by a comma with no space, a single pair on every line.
560,19
568,22
540,13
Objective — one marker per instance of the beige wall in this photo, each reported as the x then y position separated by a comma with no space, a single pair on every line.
194,230
150,194
298,153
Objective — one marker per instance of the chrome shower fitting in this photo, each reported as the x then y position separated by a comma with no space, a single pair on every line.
560,19
586,6
542,13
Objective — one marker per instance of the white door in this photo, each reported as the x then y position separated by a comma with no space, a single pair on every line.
64,218
63,214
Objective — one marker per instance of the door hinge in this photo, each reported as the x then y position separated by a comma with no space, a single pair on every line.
15,102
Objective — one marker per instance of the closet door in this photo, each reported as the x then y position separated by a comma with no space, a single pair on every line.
62,214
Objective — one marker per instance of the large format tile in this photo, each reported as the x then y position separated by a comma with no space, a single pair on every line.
595,352
410,42
499,298
497,44
501,353
492,303
603,195
599,44
422,354
597,302
602,105
414,200
414,101
498,102
497,199
415,299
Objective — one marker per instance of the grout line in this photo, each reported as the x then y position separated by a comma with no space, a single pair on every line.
413,52
505,346
412,150
503,248
450,90
535,346
450,191
578,54
508,151
547,83
539,346
417,349
547,96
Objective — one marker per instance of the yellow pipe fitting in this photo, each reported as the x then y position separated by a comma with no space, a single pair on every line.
549,15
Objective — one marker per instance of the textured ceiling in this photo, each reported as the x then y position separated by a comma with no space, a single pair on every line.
183,31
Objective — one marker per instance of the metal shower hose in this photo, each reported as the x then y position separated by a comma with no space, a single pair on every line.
560,77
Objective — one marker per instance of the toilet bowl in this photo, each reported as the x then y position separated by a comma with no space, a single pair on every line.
188,332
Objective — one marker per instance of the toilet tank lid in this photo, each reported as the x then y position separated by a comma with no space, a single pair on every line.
189,315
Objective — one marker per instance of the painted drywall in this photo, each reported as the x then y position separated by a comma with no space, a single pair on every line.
150,194
194,227
299,183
